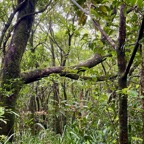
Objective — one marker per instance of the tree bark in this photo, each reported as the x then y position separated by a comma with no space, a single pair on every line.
11,67
70,72
122,80
12,79
57,115
142,82
142,93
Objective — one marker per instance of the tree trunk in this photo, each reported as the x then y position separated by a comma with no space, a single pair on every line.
123,133
65,99
11,83
142,93
57,115
122,81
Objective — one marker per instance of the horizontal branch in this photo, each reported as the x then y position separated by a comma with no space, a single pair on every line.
71,72
96,79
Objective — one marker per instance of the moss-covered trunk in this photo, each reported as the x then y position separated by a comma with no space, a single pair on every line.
11,66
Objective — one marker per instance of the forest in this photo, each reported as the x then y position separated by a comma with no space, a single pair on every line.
72,72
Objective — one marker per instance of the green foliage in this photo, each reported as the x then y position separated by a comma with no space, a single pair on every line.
1,114
139,3
90,107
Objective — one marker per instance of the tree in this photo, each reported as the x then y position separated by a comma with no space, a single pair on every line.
123,70
11,62
13,79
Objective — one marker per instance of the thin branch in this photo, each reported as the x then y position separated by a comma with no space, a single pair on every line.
131,9
83,10
7,25
135,65
54,41
20,19
97,25
104,34
137,44
30,14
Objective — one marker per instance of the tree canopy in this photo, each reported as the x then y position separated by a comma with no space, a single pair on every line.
72,71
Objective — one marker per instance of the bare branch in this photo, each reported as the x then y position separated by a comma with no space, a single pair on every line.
104,34
83,10
110,41
131,9
137,44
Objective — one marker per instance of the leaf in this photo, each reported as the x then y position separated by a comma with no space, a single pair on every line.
141,41
103,9
3,121
140,3
132,2
75,135
132,93
124,91
1,111
93,13
15,113
85,36
136,139
82,19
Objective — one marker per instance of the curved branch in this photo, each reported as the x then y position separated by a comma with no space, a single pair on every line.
71,72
